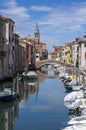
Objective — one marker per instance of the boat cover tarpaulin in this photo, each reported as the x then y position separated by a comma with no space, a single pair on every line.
73,96
31,73
76,127
73,105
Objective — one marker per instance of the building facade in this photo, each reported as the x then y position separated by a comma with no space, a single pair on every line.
67,51
2,45
10,48
82,53
58,51
8,32
16,54
27,54
75,52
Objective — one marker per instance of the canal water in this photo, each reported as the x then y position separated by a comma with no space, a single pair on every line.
40,106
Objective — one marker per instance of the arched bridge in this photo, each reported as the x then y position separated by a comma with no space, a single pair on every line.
41,63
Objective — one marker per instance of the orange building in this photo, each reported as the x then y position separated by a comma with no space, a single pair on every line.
28,54
57,52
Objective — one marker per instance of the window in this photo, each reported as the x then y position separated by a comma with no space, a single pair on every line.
12,39
13,48
9,39
12,28
85,55
37,56
77,48
84,45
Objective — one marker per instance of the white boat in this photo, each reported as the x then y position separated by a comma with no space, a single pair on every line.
77,120
31,75
77,87
71,82
73,96
63,73
74,87
83,103
78,103
76,127
83,112
73,105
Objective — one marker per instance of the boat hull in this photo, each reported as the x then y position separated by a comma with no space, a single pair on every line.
10,97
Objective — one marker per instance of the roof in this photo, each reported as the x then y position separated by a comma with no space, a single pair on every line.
83,41
42,43
23,40
6,18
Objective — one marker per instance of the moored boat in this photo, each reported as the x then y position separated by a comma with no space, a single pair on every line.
78,103
8,95
74,87
74,95
73,105
31,75
77,120
76,127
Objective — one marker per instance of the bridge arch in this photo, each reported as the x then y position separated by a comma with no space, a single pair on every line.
39,64
47,63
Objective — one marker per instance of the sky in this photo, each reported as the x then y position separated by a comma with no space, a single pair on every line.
59,21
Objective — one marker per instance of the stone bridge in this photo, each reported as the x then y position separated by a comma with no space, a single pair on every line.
41,63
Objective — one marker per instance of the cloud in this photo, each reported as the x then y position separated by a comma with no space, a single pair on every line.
55,24
66,18
62,21
18,13
40,8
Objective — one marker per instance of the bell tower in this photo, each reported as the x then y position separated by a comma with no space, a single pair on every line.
37,34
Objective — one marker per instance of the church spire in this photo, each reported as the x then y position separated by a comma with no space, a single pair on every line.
36,33
37,28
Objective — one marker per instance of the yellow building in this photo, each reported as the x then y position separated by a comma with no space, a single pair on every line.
67,54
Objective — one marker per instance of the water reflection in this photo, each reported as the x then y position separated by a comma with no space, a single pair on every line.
10,110
43,112
48,70
8,113
30,87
